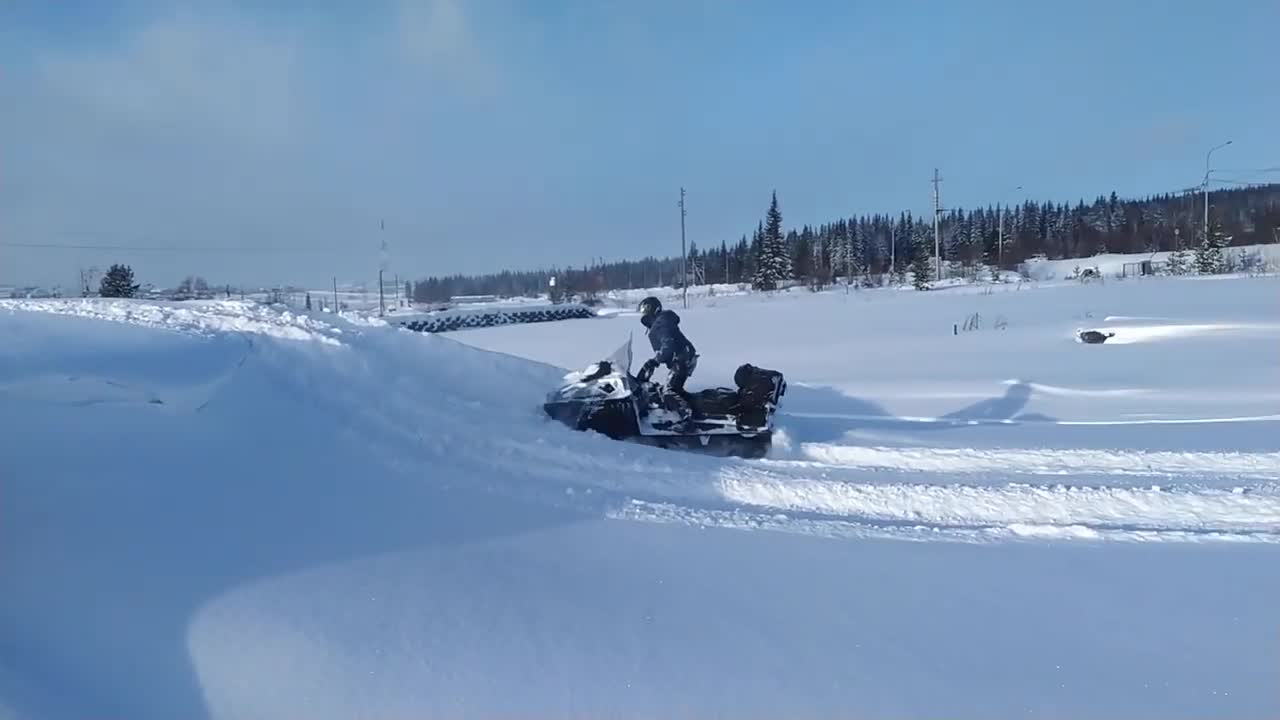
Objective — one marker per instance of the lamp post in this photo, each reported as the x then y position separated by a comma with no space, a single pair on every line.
684,256
1206,186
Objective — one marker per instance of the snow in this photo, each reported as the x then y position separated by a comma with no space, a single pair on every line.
1113,264
227,510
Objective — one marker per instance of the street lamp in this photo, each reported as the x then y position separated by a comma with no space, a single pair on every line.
1206,186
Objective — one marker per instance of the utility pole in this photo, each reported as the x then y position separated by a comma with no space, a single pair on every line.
684,256
1206,188
382,304
937,226
1000,241
848,256
893,249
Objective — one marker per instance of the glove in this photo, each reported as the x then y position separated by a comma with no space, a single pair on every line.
647,369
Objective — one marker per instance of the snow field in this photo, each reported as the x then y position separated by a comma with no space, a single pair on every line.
304,515
872,433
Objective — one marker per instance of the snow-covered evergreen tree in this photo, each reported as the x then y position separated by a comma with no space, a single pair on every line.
1095,215
857,248
773,232
841,258
1115,214
756,253
802,262
900,273
118,282
921,259
1210,258
821,271
773,264
979,232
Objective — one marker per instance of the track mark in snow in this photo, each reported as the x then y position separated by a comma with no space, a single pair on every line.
1058,391
79,391
911,421
661,512
1175,421
1130,334
1080,461
1156,509
852,502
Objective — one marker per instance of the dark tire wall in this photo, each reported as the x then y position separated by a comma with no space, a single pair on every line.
447,322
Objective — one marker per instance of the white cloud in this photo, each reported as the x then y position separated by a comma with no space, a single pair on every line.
438,36
185,74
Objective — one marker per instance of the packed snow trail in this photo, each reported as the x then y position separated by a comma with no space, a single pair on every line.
282,514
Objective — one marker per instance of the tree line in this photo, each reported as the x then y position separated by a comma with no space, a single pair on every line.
866,248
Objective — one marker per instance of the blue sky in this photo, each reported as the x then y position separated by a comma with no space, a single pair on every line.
260,144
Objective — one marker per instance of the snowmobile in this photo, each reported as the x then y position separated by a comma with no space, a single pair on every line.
606,398
1093,337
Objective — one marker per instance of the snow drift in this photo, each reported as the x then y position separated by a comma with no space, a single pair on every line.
220,510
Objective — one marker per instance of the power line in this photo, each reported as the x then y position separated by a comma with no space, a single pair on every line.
153,248
1229,181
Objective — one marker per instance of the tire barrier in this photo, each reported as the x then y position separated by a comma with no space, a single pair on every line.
449,320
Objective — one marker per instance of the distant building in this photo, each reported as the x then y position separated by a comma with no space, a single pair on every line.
31,292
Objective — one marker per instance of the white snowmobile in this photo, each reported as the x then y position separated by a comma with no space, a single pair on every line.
606,398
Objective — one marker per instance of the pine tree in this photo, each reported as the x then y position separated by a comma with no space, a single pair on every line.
118,282
857,247
921,273
757,254
1210,259
743,261
803,260
773,262
778,252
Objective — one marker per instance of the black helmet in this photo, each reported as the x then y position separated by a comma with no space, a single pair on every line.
649,307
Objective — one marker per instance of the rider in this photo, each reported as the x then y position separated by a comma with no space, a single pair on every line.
671,348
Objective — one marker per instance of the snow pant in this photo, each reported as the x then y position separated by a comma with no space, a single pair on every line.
679,369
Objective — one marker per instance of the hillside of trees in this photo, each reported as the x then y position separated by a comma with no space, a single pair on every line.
867,247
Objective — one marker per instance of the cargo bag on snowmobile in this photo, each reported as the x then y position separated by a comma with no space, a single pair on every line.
759,390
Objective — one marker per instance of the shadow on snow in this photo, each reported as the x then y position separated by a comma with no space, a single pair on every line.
821,414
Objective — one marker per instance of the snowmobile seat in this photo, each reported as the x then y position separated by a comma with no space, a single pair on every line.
714,401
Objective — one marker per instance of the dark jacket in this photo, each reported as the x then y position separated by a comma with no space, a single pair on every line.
667,340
